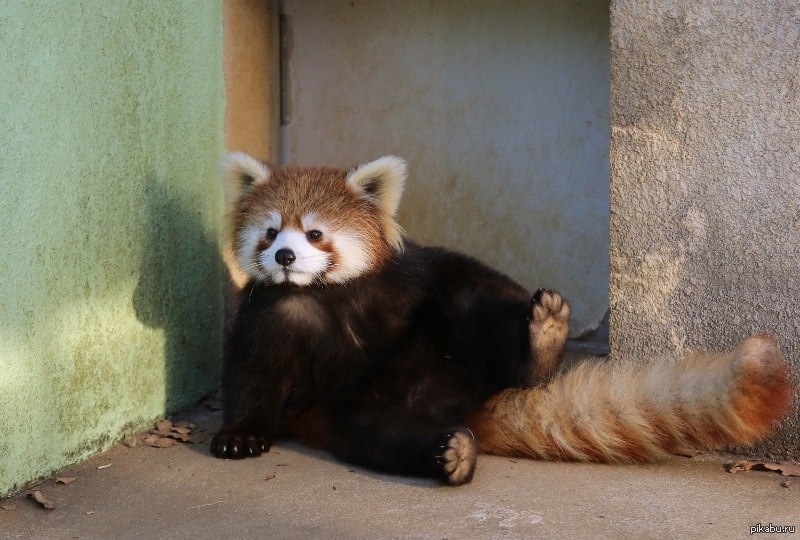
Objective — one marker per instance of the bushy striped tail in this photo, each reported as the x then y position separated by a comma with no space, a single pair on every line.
620,414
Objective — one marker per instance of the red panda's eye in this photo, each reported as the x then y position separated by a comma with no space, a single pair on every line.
314,235
272,234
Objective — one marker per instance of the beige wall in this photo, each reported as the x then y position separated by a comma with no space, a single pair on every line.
705,227
252,85
251,62
501,109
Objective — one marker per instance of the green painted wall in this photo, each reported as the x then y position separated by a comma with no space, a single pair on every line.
110,275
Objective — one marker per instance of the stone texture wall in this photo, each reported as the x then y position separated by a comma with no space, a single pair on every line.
705,189
110,297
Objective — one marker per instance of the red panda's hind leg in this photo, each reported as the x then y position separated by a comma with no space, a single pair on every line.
549,326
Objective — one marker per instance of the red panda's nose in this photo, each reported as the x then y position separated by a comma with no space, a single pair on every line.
284,256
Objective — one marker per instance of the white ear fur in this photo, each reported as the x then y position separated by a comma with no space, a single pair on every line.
381,180
241,172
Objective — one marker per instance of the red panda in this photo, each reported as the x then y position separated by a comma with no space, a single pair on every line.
411,360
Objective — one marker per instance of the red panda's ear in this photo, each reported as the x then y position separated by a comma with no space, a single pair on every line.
240,173
381,180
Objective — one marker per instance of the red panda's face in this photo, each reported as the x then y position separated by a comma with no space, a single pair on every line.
314,225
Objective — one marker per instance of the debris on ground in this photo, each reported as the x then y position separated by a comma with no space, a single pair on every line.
784,468
40,498
167,434
64,480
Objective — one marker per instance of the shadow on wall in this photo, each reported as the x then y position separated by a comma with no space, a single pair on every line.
180,291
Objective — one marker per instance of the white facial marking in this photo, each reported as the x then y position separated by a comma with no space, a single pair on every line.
309,263
352,255
311,222
247,244
353,258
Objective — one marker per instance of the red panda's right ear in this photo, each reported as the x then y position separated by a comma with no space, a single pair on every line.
241,173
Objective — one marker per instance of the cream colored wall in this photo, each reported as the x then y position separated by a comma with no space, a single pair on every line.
252,77
501,109
251,62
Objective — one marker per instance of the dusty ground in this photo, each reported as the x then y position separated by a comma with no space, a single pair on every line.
182,492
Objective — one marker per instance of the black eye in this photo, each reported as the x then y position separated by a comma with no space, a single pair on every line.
314,235
272,234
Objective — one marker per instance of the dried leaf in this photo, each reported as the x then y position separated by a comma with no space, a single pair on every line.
65,479
8,507
786,469
150,439
270,477
744,465
177,436
164,442
90,512
101,467
182,430
164,425
39,497
130,442
786,483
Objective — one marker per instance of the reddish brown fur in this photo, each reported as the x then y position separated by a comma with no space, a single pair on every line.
546,422
310,426
761,399
296,192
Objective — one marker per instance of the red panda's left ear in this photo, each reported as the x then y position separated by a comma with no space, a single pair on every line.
381,180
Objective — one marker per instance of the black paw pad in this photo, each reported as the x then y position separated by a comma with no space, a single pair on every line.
455,455
230,443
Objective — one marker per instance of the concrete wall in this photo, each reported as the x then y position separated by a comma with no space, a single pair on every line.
705,226
501,109
110,297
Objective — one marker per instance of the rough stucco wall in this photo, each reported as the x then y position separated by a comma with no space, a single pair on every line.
111,293
500,108
705,167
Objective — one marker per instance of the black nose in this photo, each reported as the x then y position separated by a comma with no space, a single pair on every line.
284,257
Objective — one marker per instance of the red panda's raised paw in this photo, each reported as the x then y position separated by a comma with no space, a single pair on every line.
231,443
549,326
455,457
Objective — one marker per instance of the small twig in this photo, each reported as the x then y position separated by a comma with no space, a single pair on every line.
202,505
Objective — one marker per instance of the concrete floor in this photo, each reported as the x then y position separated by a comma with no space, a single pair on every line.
182,492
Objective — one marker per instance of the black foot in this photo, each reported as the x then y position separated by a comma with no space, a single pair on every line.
231,443
455,456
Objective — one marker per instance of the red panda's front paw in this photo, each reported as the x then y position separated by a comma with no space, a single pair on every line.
455,457
231,443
